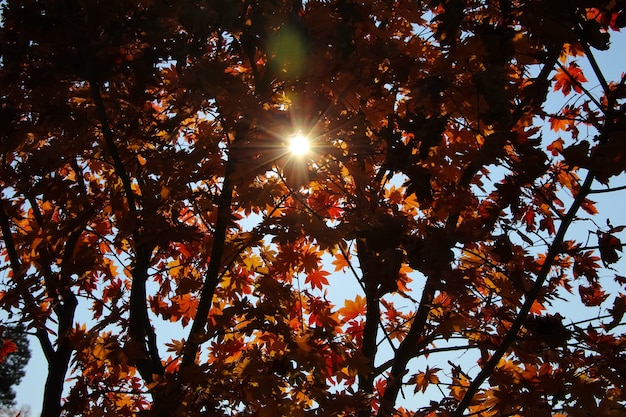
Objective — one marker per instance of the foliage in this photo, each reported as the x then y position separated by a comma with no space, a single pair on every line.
16,354
146,185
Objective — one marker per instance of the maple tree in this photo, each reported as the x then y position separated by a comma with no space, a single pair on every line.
147,184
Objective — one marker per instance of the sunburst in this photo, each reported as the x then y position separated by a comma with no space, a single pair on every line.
299,144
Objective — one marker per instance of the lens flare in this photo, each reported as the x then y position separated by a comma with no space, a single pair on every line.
299,145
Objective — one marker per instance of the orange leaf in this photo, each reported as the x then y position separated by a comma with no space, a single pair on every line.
556,124
172,365
353,309
340,262
537,308
317,279
573,50
556,147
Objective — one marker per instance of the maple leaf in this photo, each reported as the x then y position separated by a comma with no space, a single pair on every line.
325,204
592,295
381,385
187,306
547,223
537,308
176,346
571,50
556,124
355,330
310,261
569,78
353,309
317,279
340,262
423,379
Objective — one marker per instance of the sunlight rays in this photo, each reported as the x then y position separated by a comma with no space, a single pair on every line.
299,145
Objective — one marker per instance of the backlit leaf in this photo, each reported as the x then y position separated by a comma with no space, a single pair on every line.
317,279
569,78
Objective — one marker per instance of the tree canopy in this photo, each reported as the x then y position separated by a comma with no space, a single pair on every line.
414,262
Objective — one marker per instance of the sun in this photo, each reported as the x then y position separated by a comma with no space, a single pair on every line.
299,144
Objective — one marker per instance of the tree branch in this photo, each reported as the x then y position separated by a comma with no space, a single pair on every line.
107,134
140,329
7,236
372,319
608,190
407,349
65,309
199,329
16,266
531,296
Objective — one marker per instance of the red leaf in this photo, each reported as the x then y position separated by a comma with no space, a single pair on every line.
569,78
355,330
8,346
529,219
592,295
547,224
325,205
589,206
317,279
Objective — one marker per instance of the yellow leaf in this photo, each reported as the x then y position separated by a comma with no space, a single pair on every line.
175,269
459,387
252,262
100,351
